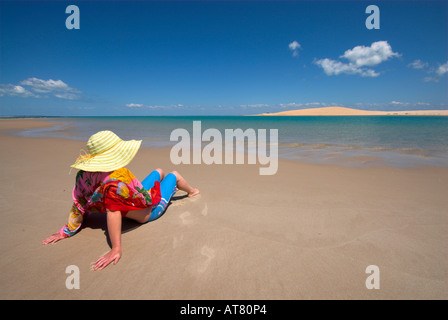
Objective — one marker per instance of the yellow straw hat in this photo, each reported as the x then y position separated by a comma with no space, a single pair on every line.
107,152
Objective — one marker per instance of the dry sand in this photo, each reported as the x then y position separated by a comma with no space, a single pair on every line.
341,111
308,232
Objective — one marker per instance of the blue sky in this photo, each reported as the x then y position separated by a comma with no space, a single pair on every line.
213,58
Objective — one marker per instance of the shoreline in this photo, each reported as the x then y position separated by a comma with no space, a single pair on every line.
16,124
340,155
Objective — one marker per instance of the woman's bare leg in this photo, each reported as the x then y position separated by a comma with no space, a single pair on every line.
183,185
162,174
143,215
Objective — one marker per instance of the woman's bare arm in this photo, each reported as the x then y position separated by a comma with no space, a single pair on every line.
114,228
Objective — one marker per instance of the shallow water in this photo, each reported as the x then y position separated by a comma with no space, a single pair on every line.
354,140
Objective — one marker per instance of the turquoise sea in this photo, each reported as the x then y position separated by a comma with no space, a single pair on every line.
352,140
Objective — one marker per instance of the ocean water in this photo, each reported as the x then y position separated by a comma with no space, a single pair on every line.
349,140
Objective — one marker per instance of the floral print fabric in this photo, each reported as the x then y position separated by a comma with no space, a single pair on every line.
117,191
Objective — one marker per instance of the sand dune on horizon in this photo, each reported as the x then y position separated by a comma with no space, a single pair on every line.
342,111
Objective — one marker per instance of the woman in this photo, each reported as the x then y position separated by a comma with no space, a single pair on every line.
103,184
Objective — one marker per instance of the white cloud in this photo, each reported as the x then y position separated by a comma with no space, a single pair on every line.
431,79
438,73
435,74
67,96
370,56
141,106
295,46
359,57
333,67
395,105
442,69
57,88
418,64
45,86
134,105
258,105
398,103
290,105
13,90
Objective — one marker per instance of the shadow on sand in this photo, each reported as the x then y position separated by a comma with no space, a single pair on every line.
99,221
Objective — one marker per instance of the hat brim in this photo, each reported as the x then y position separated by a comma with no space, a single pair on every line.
115,158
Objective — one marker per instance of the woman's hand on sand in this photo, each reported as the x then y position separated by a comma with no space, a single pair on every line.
55,237
113,255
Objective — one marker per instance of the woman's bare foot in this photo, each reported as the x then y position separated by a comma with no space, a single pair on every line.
183,185
193,193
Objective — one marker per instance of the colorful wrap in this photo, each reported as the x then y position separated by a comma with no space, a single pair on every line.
117,191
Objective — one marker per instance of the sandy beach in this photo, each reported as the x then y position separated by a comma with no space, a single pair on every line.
342,111
307,232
